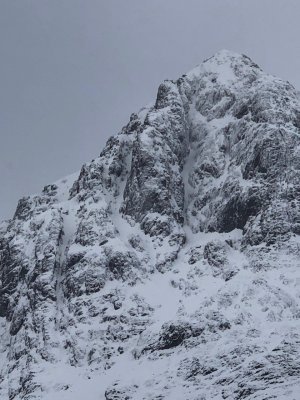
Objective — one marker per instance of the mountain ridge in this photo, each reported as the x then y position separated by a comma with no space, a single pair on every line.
167,268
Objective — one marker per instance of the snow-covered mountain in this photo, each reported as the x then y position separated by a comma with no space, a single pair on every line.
168,268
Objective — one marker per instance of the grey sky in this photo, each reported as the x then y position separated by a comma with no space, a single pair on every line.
72,71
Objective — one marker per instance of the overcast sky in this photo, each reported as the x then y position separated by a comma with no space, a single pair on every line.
72,71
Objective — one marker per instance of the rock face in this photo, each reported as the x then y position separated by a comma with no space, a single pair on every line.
168,268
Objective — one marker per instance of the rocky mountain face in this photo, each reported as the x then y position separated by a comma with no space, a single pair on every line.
168,268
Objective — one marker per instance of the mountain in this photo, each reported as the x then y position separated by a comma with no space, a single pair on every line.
168,267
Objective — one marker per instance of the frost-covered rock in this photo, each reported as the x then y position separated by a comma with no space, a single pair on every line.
167,268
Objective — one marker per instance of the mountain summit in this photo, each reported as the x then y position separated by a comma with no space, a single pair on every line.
168,268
